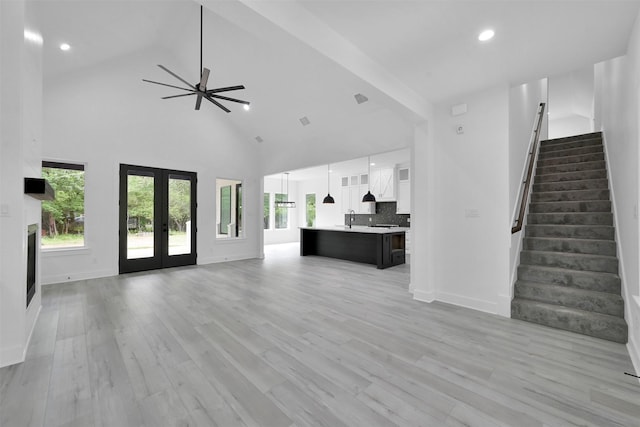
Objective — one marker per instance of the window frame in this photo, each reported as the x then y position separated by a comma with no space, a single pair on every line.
71,166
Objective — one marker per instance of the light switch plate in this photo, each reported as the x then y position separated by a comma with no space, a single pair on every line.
4,209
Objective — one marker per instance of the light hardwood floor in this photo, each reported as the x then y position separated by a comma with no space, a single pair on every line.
302,341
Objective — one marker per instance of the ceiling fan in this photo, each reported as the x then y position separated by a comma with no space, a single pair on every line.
200,89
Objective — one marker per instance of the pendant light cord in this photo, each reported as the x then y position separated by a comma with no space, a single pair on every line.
328,179
201,8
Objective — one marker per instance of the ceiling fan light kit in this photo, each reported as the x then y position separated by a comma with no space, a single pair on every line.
199,89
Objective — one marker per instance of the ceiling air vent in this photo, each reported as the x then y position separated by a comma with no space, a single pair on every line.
360,98
259,138
305,121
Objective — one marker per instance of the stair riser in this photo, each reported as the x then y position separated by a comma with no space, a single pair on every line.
546,148
595,184
575,279
575,138
575,232
570,159
571,218
583,206
571,176
612,330
571,167
578,246
610,304
570,196
570,152
571,261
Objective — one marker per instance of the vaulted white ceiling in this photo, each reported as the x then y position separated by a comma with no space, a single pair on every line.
309,58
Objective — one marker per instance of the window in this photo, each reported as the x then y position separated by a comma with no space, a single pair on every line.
282,214
229,213
311,209
63,218
267,210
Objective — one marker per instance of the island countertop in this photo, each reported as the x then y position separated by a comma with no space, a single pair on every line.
359,229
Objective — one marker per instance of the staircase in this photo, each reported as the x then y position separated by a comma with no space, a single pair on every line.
568,273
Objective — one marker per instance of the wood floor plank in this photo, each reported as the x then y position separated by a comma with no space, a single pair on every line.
301,341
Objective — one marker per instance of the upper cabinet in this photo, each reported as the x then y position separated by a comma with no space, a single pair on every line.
353,188
383,184
403,205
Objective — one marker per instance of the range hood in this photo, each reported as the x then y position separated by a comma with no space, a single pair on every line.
39,188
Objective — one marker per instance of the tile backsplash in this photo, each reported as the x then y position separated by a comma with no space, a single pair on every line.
385,214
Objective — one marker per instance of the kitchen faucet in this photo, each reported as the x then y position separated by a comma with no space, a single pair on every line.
352,216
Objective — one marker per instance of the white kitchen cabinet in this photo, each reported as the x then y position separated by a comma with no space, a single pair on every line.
403,201
353,188
383,184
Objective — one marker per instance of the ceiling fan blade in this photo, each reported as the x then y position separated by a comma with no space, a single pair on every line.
230,99
198,101
225,89
217,103
164,84
204,79
177,96
176,76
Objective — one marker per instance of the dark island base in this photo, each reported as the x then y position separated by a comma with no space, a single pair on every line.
383,250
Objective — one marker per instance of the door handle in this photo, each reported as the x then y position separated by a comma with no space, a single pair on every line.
164,228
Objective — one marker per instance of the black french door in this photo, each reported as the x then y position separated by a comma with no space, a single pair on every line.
157,218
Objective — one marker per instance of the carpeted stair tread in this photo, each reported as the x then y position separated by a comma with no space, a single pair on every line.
571,176
599,302
571,206
577,218
590,280
599,232
570,152
570,159
570,260
579,184
570,245
569,195
571,167
546,147
564,139
598,325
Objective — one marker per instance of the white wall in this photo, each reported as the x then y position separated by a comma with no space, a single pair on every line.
20,149
524,102
326,215
618,115
105,116
571,102
467,175
291,233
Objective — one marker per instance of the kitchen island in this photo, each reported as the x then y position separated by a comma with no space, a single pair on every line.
383,247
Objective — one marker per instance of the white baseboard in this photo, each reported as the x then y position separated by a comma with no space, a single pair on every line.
226,258
61,278
424,296
464,301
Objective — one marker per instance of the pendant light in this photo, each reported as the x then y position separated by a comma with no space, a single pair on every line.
369,198
328,199
285,203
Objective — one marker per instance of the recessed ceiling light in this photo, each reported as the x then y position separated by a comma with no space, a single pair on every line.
65,47
373,164
246,107
486,35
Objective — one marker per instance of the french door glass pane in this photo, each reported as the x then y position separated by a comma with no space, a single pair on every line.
179,215
225,209
140,215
